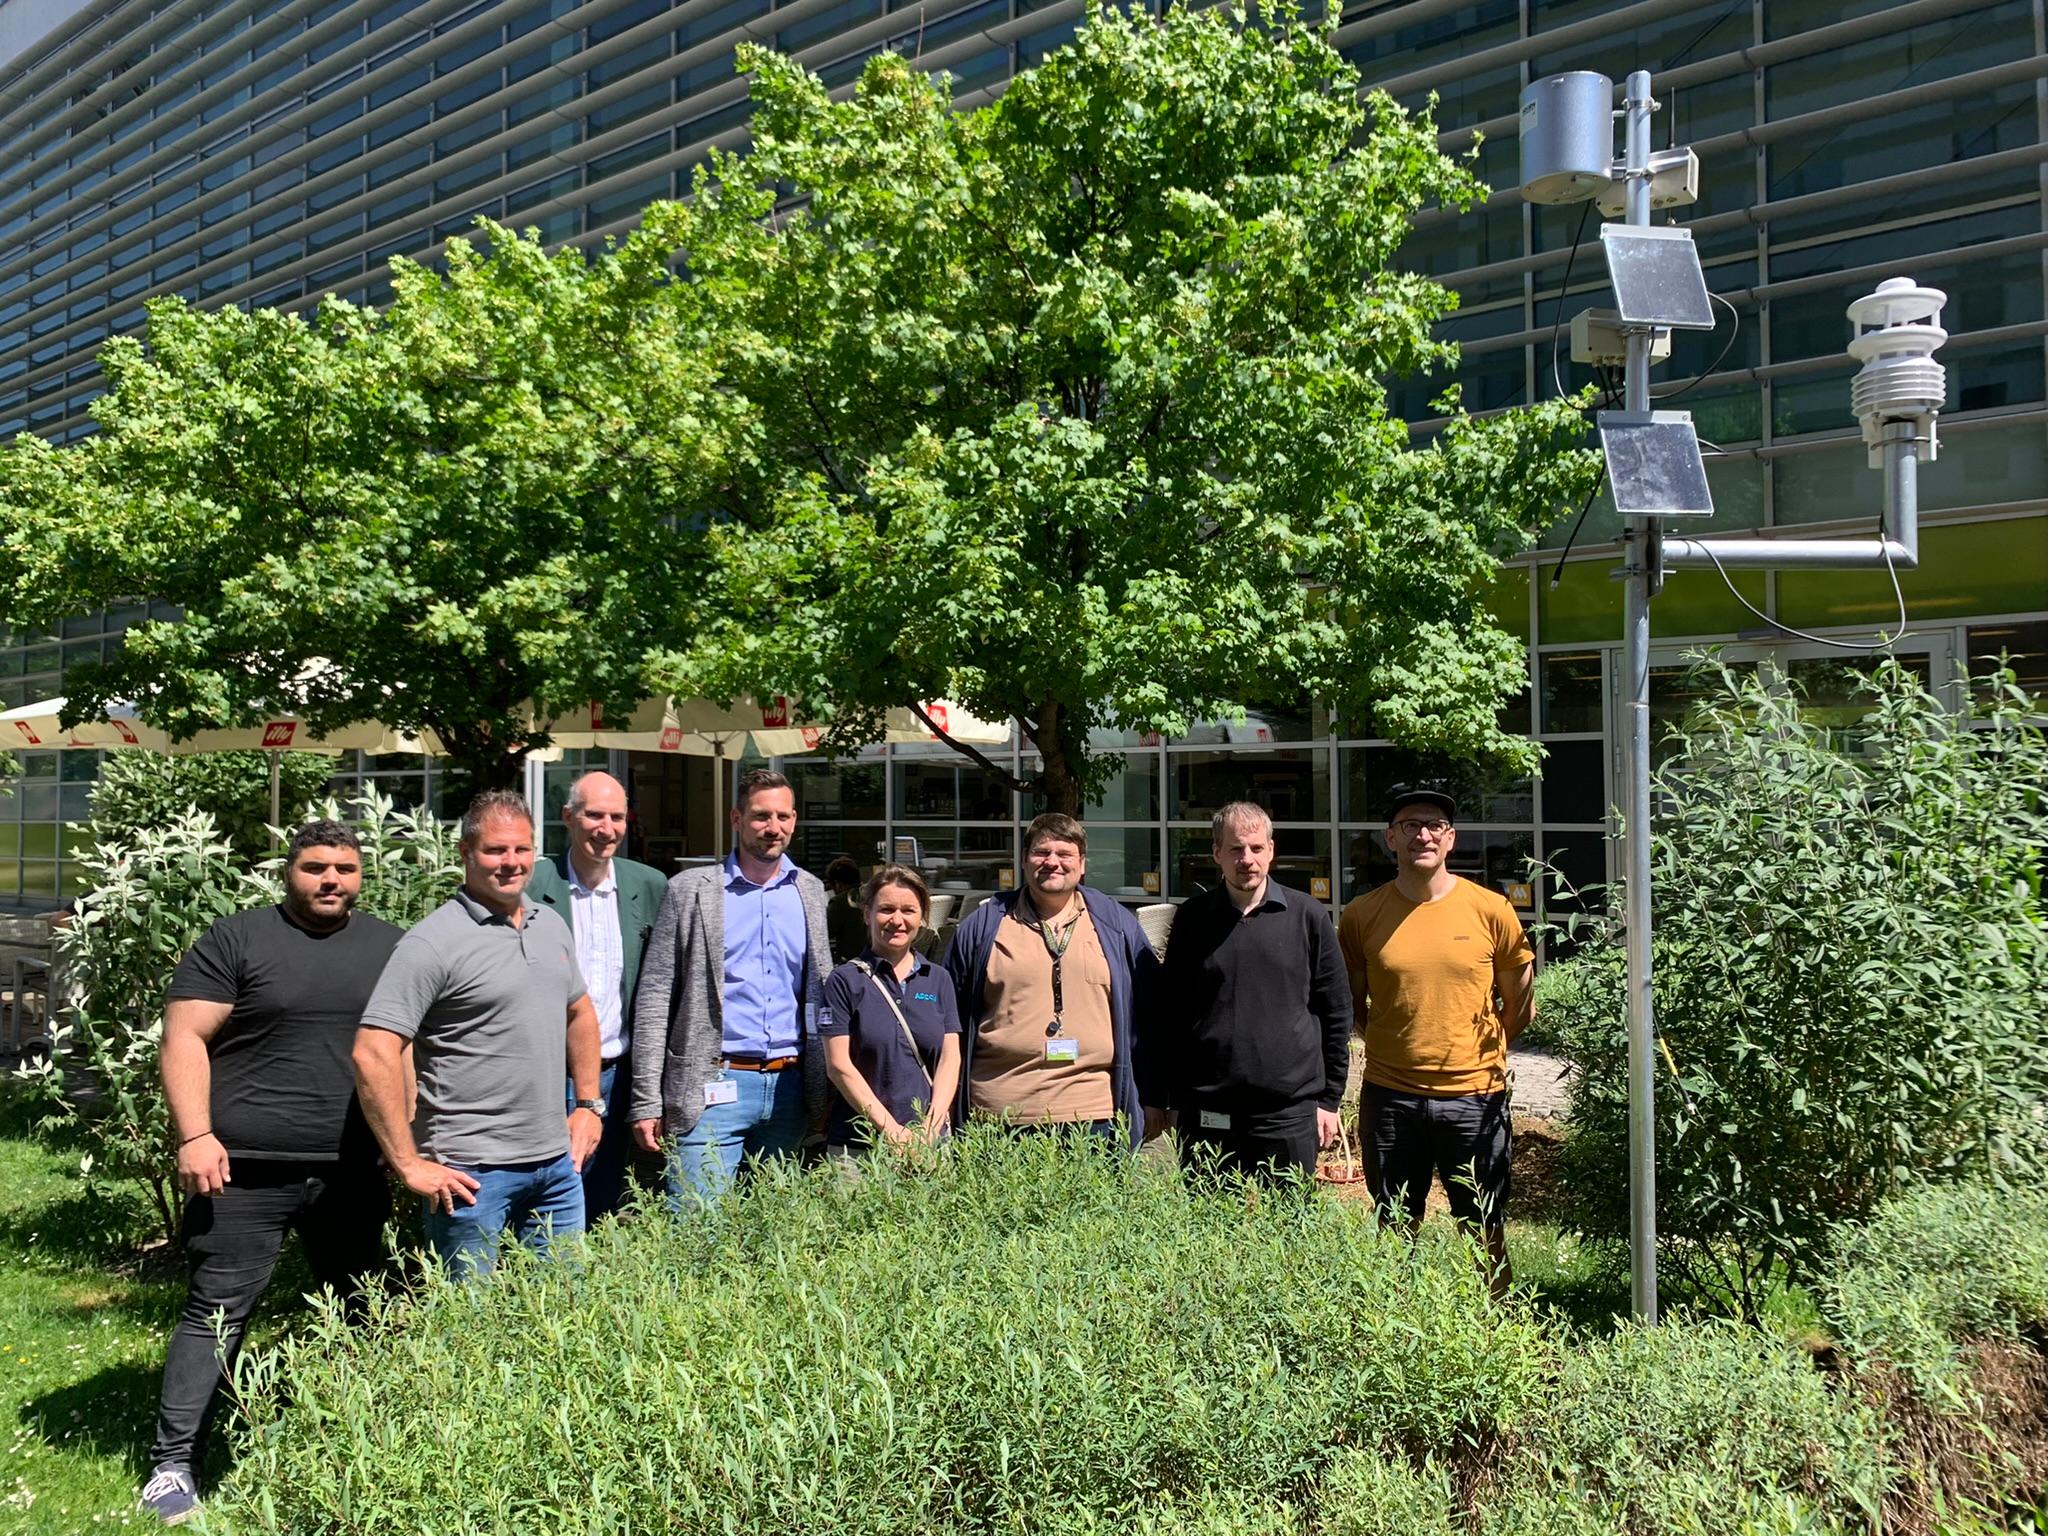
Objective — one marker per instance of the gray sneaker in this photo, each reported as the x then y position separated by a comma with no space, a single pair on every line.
170,1494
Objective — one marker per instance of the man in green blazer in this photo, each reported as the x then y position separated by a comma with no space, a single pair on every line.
609,904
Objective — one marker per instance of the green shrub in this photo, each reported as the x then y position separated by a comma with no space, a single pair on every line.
151,896
1936,1266
1560,989
153,891
1379,1492
1851,977
141,790
1704,1426
1040,1337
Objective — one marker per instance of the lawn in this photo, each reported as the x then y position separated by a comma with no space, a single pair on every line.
81,1329
85,1305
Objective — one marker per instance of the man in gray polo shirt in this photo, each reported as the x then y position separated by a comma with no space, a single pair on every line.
470,1024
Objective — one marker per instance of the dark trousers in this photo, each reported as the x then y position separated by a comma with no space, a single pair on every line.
611,1162
1269,1144
1410,1138
232,1241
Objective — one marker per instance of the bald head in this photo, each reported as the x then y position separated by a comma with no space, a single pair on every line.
596,819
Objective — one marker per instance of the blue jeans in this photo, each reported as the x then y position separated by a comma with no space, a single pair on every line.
537,1202
604,1176
766,1120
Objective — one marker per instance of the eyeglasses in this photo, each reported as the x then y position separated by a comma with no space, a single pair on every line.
1436,827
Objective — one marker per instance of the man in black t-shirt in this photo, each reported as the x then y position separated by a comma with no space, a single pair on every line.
258,1028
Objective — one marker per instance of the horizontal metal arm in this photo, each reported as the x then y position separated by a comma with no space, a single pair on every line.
1902,515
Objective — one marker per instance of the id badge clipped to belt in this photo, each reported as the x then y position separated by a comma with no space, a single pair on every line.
721,1090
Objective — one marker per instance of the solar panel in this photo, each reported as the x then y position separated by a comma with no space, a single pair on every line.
1654,466
1656,276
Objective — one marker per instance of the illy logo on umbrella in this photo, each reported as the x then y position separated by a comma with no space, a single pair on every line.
278,733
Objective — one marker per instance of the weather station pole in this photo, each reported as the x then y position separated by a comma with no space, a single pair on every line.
1642,577
1655,470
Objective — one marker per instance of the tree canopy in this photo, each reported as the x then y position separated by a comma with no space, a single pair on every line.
456,514
1073,407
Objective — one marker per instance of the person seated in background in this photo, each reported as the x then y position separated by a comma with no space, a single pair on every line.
892,1028
846,925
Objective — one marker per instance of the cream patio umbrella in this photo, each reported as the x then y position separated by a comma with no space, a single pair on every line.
38,725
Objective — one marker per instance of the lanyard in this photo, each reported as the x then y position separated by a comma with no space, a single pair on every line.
1058,951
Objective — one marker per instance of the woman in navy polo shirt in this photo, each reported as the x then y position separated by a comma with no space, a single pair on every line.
892,1036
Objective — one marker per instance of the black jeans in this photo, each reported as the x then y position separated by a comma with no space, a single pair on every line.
1409,1138
1269,1144
232,1241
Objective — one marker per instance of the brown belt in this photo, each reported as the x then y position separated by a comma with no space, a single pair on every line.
756,1064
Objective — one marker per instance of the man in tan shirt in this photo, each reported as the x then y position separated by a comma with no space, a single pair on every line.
1443,979
1056,982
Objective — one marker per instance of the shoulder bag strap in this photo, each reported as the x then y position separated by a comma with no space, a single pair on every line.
902,1023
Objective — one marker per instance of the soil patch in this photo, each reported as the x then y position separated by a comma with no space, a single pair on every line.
1996,1459
1538,1188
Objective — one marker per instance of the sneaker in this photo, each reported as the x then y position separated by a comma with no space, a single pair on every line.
170,1494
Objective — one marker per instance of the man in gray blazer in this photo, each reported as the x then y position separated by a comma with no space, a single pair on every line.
609,904
729,1062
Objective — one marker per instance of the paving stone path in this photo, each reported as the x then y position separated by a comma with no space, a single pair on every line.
1539,1083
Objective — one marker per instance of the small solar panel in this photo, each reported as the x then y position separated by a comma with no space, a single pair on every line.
1656,276
1654,466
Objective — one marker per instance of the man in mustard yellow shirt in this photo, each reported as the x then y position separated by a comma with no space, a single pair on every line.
1442,978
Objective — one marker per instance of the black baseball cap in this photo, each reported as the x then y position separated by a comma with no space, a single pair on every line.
1423,794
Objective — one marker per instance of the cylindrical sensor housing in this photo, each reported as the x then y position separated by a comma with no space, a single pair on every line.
1567,137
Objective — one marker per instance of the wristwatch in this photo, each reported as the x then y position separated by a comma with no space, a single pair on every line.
595,1106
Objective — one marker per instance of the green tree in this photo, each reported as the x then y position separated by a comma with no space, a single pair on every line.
455,515
137,790
1073,407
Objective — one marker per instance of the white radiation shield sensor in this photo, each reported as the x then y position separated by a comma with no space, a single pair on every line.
1657,278
1654,466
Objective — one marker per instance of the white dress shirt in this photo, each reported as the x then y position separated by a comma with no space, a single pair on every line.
601,954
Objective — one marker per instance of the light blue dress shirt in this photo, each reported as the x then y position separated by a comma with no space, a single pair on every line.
765,940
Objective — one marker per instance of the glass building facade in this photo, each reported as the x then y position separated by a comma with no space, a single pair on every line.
255,153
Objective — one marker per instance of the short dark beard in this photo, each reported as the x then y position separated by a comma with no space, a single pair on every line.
312,924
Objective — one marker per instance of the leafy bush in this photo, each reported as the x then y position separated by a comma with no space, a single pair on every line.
151,896
1851,976
154,890
1934,1266
140,790
1036,1338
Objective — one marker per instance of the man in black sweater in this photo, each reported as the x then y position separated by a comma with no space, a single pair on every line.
1256,1028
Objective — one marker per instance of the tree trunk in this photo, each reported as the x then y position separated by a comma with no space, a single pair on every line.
477,761
1060,778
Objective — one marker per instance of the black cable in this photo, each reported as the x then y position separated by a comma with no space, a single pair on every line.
1557,315
1557,575
1610,389
1898,592
1720,357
